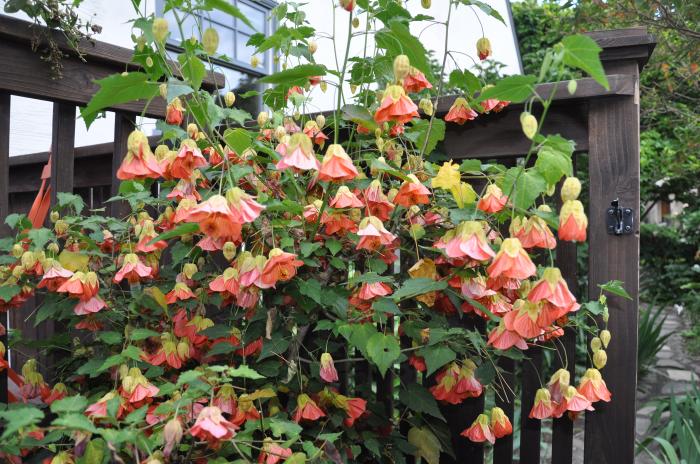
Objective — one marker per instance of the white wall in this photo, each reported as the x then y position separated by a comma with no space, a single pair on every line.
31,119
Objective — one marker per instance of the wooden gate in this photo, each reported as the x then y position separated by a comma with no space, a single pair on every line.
604,124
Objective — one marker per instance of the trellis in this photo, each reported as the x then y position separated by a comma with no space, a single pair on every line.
603,123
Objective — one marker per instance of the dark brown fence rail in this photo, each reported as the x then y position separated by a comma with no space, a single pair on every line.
603,123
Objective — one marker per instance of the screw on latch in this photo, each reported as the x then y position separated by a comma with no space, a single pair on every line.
620,220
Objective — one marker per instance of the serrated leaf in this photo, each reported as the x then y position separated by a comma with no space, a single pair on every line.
280,426
311,288
118,89
397,39
7,292
238,139
515,89
74,421
359,115
19,417
419,399
245,372
553,164
142,334
383,350
110,337
386,305
427,445
226,6
75,403
334,246
69,199
177,88
616,287
465,80
582,52
436,356
193,69
523,186
297,75
418,286
419,129
40,237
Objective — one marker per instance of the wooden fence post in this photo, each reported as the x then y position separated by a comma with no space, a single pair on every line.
62,149
4,208
613,125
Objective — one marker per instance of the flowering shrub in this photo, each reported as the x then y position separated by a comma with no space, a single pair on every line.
233,313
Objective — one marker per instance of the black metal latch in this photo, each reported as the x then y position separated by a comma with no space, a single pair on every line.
619,219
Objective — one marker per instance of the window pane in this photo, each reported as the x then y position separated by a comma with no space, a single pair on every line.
255,16
239,83
220,17
189,28
244,52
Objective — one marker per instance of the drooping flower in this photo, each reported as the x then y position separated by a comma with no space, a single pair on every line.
136,388
455,383
542,407
553,290
306,409
336,165
412,192
467,240
216,219
315,133
503,339
85,307
169,352
344,198
533,233
212,426
226,282
512,261
188,158
54,275
371,290
572,221
172,435
500,423
139,162
81,285
133,270
373,234
558,384
272,453
243,206
448,176
327,370
354,408
573,402
480,430
180,292
523,319
297,151
174,112
493,200
395,106
280,267
460,112
377,202
492,104
592,386
415,81
483,48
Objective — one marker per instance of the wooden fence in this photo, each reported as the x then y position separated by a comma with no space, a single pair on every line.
604,124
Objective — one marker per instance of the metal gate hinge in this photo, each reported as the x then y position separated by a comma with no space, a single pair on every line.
619,219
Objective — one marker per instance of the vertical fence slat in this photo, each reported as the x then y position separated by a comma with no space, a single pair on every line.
62,149
123,125
614,173
505,399
530,428
4,206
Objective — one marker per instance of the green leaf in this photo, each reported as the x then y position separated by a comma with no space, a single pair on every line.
523,186
358,335
245,372
142,334
398,40
594,307
553,164
427,445
383,350
486,8
95,452
582,52
380,166
369,278
75,421
7,292
418,132
334,246
19,417
359,115
485,373
436,356
465,80
311,288
419,399
616,287
75,403
40,237
515,89
118,89
386,305
238,139
280,426
192,69
69,199
297,75
18,221
226,6
307,248
182,229
177,88
110,337
419,286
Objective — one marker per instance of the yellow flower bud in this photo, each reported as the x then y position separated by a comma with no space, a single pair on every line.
210,40
596,344
192,130
53,248
324,86
571,86
230,99
320,121
605,337
163,91
426,104
426,3
529,124
570,189
160,29
229,251
313,46
263,117
54,216
402,66
17,250
355,22
189,269
600,359
254,61
61,227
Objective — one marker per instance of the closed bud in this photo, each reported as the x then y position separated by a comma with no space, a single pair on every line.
160,29
254,61
426,3
355,22
192,130
229,251
606,315
313,46
529,124
172,435
605,337
53,248
210,40
54,216
230,99
570,189
347,5
320,121
17,250
571,86
600,359
183,350
483,48
596,344
263,117
324,86
402,66
426,104
297,115
280,132
189,269
353,89
163,91
61,227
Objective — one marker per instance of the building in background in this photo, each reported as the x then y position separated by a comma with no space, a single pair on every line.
30,130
